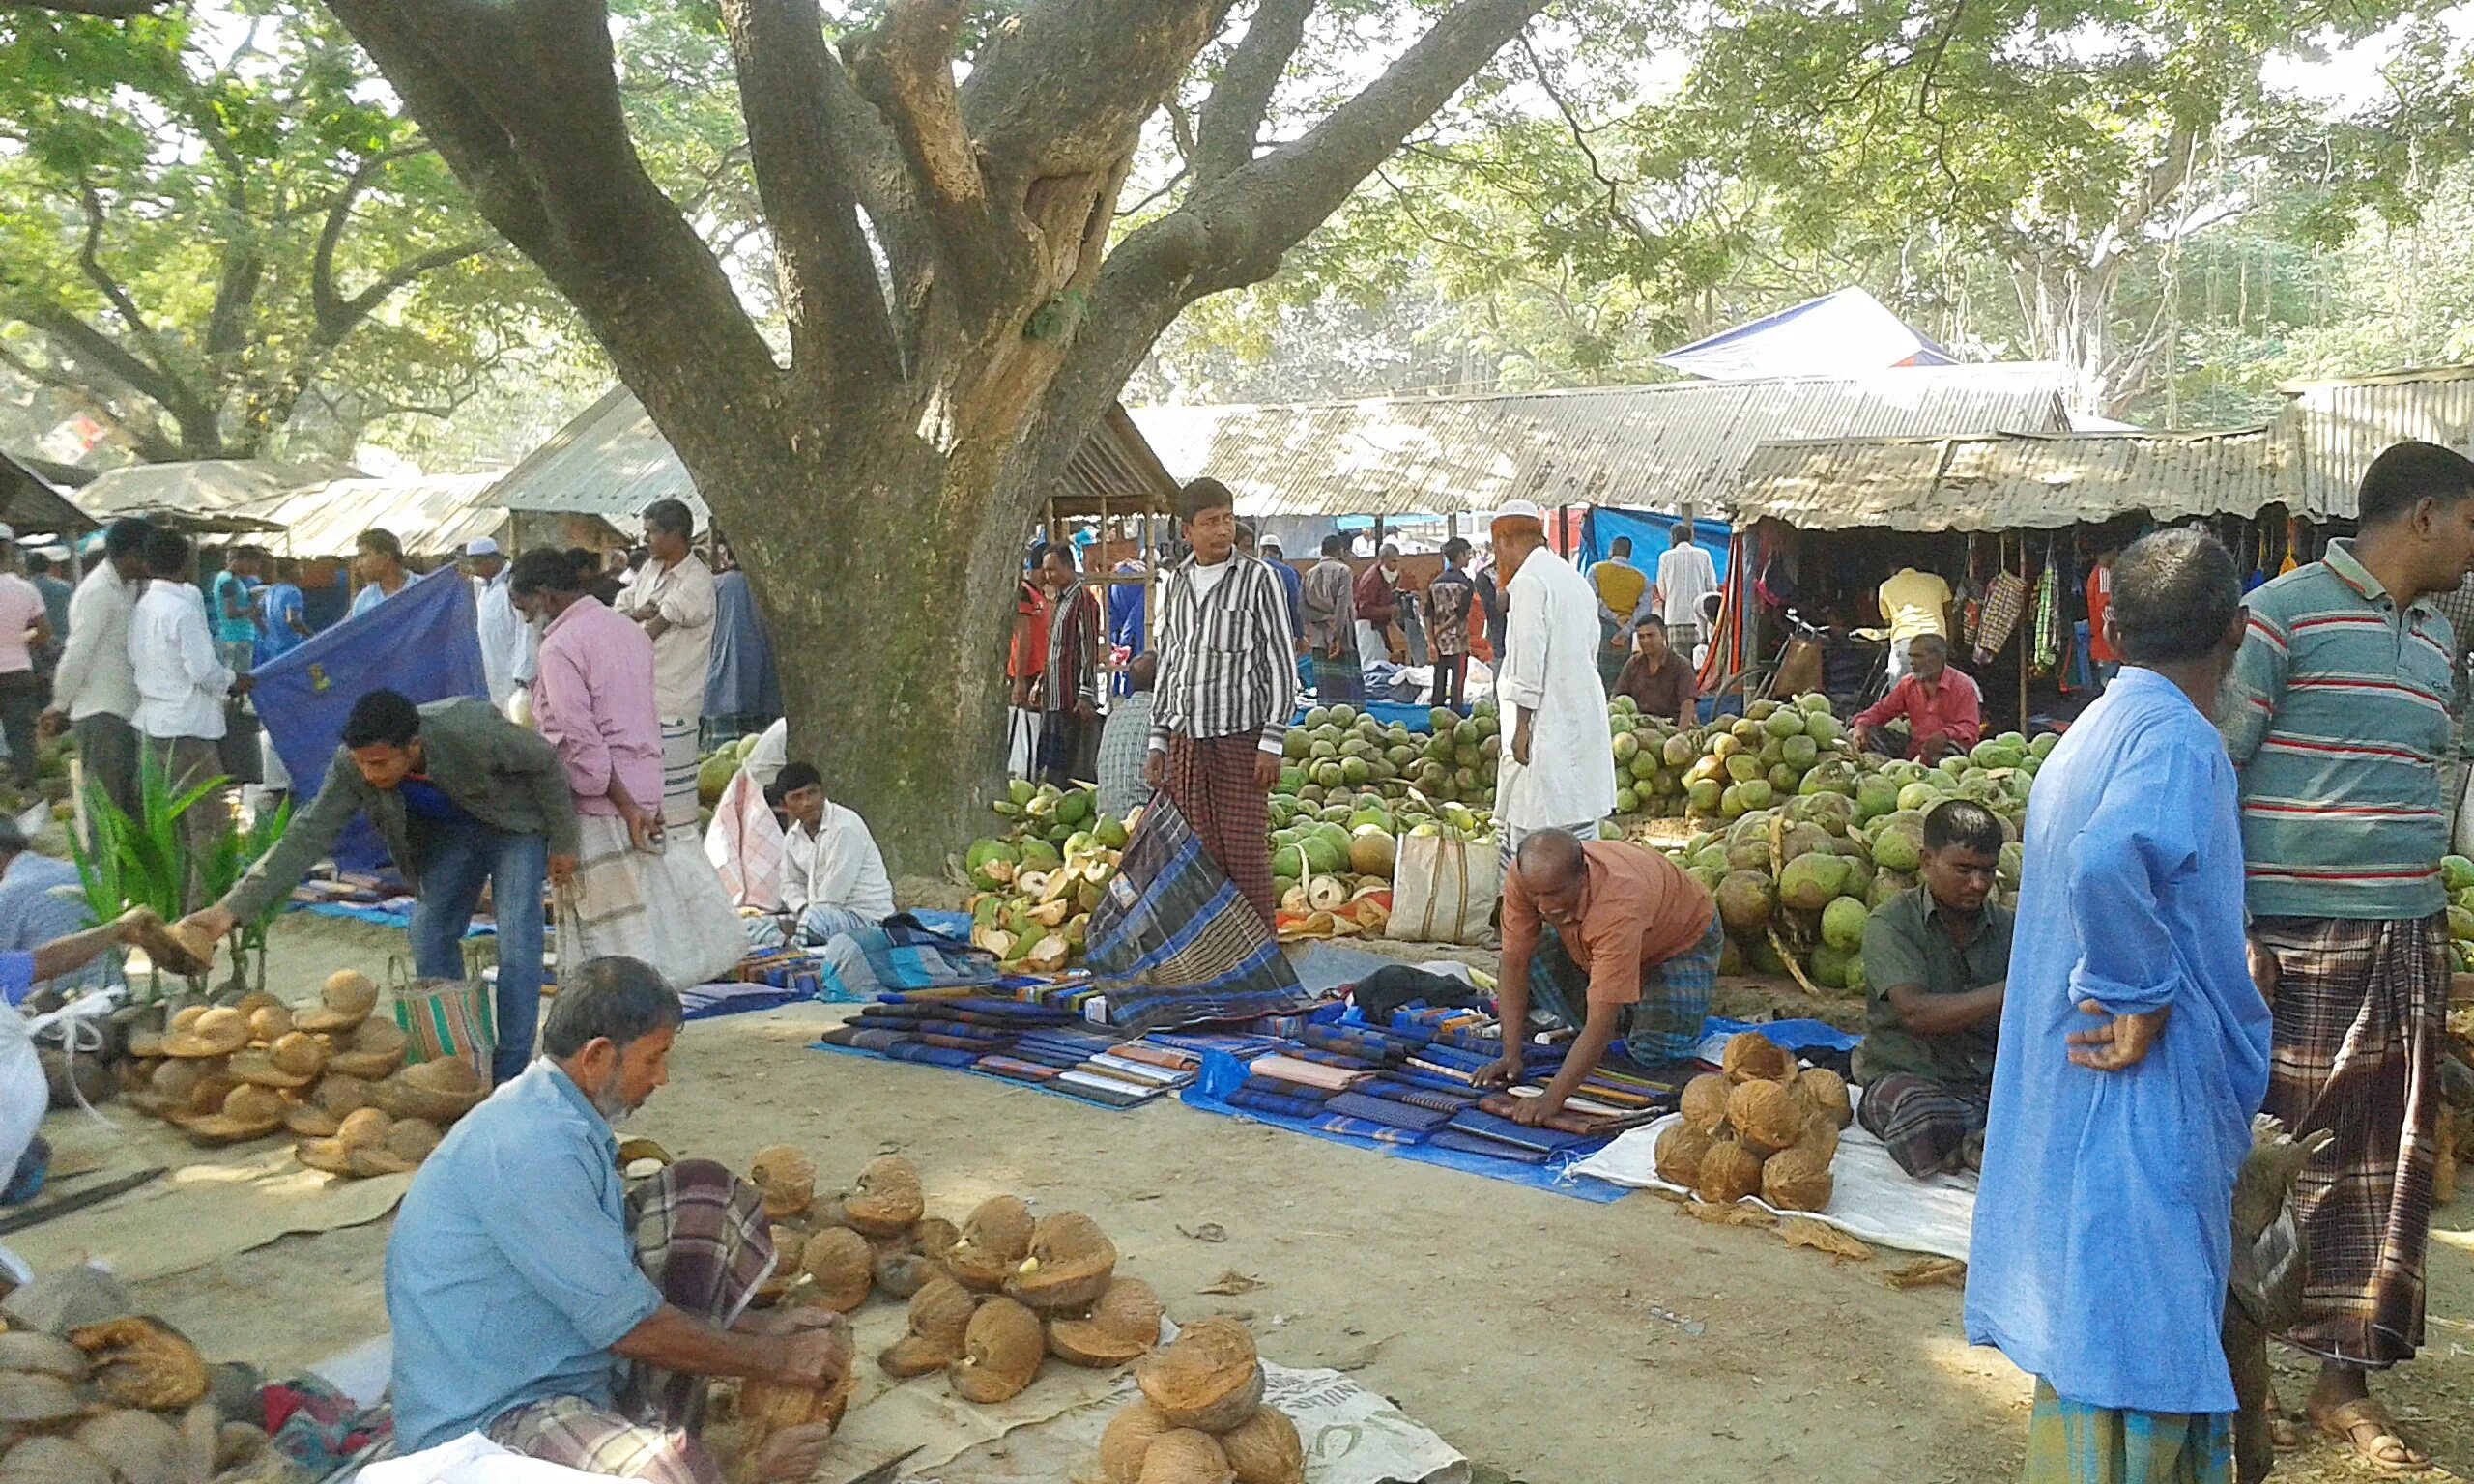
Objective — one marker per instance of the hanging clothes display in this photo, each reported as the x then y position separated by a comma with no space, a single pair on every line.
2005,599
2047,651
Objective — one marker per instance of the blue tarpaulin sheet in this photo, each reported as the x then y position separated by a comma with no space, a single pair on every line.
1386,712
1650,533
424,642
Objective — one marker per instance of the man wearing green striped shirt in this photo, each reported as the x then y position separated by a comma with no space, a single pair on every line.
2337,715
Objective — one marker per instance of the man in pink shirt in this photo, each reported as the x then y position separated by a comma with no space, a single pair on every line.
1942,708
24,629
638,891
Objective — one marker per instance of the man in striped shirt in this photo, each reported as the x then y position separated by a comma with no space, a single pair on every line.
1227,685
2337,715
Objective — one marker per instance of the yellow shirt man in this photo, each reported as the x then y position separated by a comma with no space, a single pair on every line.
1914,603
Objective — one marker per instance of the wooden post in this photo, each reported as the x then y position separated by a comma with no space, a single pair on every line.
2026,636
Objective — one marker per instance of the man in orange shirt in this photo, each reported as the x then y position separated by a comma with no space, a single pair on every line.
1611,940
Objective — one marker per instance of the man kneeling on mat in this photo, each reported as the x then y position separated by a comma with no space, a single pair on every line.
1611,940
537,1301
1935,961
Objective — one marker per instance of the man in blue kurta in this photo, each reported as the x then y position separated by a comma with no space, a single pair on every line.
538,1301
2134,1051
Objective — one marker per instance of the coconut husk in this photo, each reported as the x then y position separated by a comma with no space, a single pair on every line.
1124,1325
994,1243
1827,1092
336,1095
888,1201
768,1406
1068,1266
69,1079
375,1050
146,1042
1679,1154
343,1004
249,1112
1265,1450
1795,1179
786,1178
939,1319
170,1085
141,1447
839,1269
1765,1117
377,1159
47,1459
1704,1104
934,1236
207,1096
46,1354
1749,1054
901,1273
1820,1136
1208,1377
1001,1353
1729,1172
270,1023
175,949
411,1138
138,1361
1185,1456
1127,1437
31,1398
294,1060
363,1129
218,1031
133,1075
441,1090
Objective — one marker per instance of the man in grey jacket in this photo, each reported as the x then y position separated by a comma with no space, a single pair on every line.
463,797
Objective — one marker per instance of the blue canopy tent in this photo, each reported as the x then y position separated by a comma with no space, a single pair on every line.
1650,533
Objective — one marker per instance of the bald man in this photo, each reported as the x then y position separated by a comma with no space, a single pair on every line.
1607,939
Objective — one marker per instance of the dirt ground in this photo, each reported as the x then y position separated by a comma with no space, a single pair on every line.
1550,1339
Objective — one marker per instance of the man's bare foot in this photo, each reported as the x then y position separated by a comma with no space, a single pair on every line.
2343,1408
791,1456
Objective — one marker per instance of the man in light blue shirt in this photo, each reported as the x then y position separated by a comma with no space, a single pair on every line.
41,898
2134,1051
536,1299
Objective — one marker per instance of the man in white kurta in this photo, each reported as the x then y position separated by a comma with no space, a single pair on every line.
671,595
1556,772
832,877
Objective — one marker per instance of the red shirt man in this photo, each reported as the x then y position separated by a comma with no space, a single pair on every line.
1944,710
2100,597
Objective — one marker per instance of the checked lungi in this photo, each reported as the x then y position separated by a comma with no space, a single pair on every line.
701,1235
1212,781
1664,1025
2359,1007
1339,679
2070,1442
1926,1124
678,802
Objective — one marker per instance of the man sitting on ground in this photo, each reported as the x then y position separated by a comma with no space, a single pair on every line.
833,877
536,1300
1659,681
1610,940
1936,959
41,898
1942,708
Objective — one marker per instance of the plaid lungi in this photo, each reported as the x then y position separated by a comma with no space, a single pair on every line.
1212,780
2358,1020
1610,655
1664,1025
1924,1122
2069,1443
701,1235
1339,678
678,804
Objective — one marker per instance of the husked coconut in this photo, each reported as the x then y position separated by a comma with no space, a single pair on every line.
141,1447
1127,1437
138,1361
375,1050
1729,1172
840,1269
1208,1377
1820,1136
934,1236
1795,1179
786,1176
1679,1154
1703,1105
887,1200
1765,1115
201,1434
939,1319
1124,1324
994,1243
442,1090
34,1397
1001,1353
1068,1266
343,1003
32,1349
1185,1456
1265,1450
1750,1054
769,1405
45,1460
901,1273
1827,1092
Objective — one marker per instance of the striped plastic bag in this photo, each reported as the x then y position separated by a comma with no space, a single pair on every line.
444,1017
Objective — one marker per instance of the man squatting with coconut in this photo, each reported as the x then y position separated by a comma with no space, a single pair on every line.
538,1300
1935,959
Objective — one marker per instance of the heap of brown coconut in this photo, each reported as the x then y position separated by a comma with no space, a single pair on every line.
1200,1418
124,1401
1759,1127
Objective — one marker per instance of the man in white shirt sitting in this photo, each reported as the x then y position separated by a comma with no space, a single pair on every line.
182,682
833,878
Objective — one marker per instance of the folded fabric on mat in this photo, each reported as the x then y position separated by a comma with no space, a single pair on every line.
1289,1069
1275,1103
1400,1115
1472,1144
1503,1130
1418,1097
1370,1129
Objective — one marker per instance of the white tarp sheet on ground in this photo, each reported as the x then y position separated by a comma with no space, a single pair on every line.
1871,1197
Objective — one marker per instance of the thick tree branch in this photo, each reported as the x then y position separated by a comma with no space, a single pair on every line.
1064,87
88,344
1232,116
840,328
106,9
150,447
905,67
90,261
327,301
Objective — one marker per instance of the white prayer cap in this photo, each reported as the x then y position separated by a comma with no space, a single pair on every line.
480,546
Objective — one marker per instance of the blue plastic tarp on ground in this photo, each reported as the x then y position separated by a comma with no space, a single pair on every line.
1650,533
1386,712
424,642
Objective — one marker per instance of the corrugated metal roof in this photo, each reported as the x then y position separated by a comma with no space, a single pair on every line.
1655,448
2013,481
432,516
200,487
32,503
2341,426
612,462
